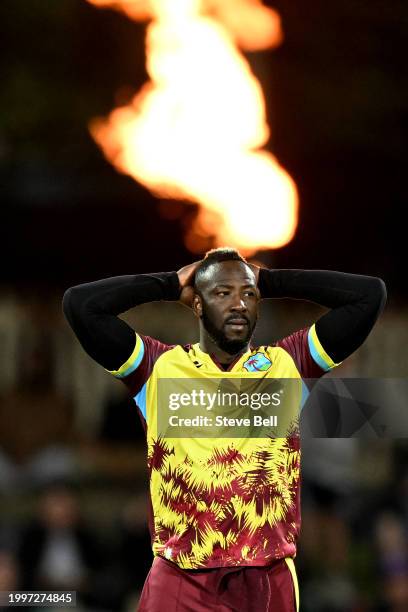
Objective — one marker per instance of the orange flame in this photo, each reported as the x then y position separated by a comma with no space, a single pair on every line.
195,131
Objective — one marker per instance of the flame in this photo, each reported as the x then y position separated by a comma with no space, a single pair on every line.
195,131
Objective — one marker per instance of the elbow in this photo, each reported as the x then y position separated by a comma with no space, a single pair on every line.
67,300
378,294
70,304
381,292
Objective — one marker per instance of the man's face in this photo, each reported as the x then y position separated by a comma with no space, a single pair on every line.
227,304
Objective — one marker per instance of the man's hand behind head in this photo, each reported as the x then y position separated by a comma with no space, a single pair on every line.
255,269
186,274
186,280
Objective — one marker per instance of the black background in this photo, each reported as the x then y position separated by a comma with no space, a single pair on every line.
337,101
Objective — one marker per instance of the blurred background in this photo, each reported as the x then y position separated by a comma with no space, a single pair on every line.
72,468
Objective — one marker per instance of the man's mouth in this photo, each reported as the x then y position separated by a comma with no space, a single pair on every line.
237,324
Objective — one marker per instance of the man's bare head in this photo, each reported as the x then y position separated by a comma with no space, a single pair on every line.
204,273
226,299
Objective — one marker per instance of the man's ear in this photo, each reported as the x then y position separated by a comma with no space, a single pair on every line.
197,306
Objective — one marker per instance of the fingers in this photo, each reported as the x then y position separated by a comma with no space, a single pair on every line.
186,274
187,296
255,269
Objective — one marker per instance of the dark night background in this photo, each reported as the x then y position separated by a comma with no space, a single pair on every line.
337,102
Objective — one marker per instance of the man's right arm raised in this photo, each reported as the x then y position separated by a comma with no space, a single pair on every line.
92,311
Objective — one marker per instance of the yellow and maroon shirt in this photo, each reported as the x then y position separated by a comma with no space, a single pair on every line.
225,501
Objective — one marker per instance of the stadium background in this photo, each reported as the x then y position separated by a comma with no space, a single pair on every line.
72,451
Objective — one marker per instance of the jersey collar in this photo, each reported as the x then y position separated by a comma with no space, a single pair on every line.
212,362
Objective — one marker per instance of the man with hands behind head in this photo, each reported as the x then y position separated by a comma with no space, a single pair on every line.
225,512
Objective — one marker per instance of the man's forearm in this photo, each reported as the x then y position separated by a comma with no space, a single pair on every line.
324,287
92,308
356,302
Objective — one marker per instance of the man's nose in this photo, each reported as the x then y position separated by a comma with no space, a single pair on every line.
238,304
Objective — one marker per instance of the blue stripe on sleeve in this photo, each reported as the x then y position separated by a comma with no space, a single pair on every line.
135,364
305,395
316,356
140,399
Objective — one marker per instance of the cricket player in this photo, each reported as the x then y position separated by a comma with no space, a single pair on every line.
225,511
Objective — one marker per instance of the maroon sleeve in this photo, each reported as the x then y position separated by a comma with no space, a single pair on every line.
297,345
152,350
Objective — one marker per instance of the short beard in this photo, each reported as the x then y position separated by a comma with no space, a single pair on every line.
232,347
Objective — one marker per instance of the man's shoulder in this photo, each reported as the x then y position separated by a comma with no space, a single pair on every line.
158,347
297,347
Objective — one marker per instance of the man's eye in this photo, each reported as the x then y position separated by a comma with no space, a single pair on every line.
250,293
222,293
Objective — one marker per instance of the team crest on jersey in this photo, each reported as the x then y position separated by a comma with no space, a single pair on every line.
257,363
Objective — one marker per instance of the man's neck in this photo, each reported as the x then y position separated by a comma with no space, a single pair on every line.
207,345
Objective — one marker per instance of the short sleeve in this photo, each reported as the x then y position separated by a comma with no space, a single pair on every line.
306,350
136,370
132,363
319,355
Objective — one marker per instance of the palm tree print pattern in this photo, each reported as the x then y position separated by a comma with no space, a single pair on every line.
224,502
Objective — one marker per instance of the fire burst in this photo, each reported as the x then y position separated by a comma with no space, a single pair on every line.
195,131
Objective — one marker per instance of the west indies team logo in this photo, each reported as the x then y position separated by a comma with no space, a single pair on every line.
257,363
